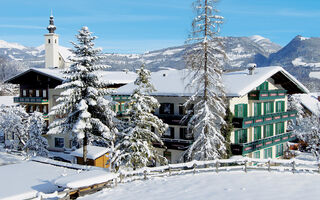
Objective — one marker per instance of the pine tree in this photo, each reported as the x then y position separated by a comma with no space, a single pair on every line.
136,146
205,61
84,111
14,122
36,144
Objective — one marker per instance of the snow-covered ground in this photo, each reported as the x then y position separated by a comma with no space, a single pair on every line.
221,186
25,179
7,159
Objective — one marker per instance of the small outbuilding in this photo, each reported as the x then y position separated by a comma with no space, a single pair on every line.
97,156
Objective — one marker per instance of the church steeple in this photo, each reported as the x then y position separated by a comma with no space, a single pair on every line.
51,28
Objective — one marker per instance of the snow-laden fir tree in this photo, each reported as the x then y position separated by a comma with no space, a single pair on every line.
205,60
14,123
83,110
135,150
306,126
36,144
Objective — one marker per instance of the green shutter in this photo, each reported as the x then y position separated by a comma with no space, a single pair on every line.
272,106
282,106
244,135
236,107
245,110
236,137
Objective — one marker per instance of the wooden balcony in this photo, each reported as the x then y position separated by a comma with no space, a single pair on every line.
245,148
31,100
246,122
267,94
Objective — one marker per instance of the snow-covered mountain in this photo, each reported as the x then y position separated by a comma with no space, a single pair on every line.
240,52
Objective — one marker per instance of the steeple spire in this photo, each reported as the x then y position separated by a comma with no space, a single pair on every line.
51,28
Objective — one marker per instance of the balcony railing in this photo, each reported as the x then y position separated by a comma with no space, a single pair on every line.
179,144
267,94
30,100
245,148
245,122
46,116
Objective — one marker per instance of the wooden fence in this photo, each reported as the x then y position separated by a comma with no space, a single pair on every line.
242,164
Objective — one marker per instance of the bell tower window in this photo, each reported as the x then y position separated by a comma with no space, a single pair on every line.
48,41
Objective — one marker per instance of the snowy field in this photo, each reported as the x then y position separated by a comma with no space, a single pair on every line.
7,159
221,186
25,179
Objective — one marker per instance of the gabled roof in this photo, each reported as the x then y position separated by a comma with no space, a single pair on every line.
94,152
237,84
310,101
113,77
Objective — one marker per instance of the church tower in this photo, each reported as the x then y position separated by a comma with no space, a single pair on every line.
51,46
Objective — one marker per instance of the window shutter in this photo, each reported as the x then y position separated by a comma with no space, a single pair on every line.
171,108
245,134
236,110
236,140
245,110
282,106
272,106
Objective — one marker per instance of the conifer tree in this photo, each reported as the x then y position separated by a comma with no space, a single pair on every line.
84,111
136,146
36,144
205,61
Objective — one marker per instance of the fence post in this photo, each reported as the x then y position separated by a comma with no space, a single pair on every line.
245,166
269,165
293,166
217,166
121,177
169,170
145,174
319,168
194,168
116,181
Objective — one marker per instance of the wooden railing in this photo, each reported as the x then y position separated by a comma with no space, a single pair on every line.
241,164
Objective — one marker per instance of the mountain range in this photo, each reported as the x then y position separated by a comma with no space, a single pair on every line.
300,56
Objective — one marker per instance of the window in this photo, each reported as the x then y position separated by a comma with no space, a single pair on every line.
167,108
279,150
268,153
182,110
184,134
37,93
169,133
279,128
257,109
280,106
167,155
263,86
49,41
257,132
268,130
241,110
240,136
256,154
45,109
268,107
55,41
30,93
59,142
31,109
24,93
44,93
37,108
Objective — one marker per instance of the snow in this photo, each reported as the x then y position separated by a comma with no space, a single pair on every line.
314,75
310,101
223,185
7,101
7,45
8,159
257,38
94,152
298,62
118,77
239,83
65,53
84,179
26,179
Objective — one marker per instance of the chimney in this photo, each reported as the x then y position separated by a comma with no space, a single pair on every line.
251,68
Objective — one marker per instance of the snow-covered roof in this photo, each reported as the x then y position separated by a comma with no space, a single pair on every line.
65,53
310,101
238,83
94,152
7,101
112,77
84,179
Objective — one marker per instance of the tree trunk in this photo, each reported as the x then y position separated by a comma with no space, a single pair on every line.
85,150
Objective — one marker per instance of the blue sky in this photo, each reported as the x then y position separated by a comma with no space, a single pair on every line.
136,26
